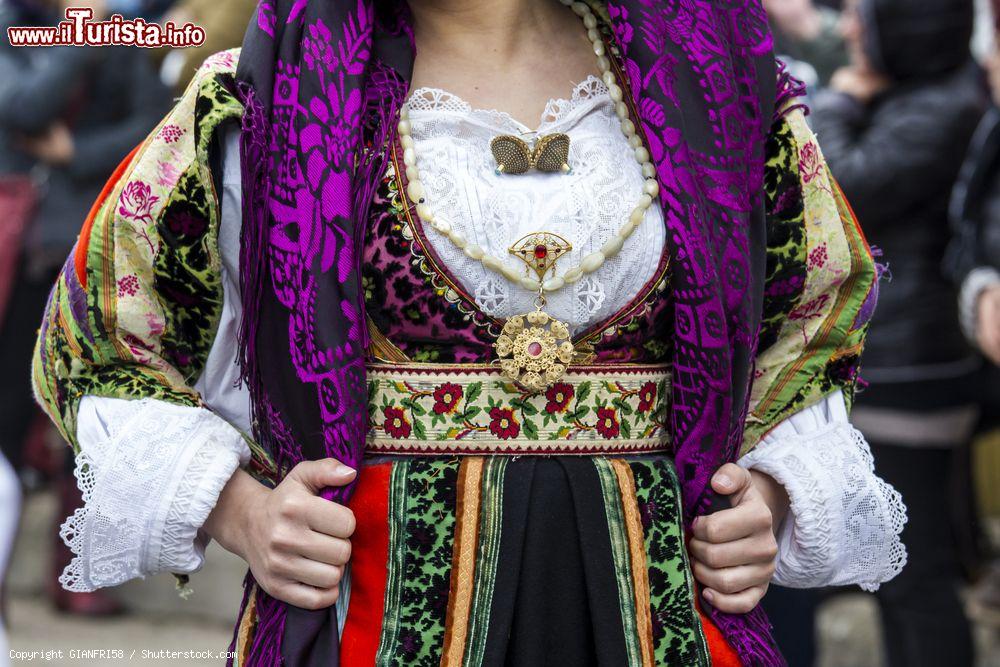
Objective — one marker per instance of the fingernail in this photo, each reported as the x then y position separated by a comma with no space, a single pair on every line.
724,481
344,470
708,595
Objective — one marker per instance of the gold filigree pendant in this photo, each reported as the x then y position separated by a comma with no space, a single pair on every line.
534,350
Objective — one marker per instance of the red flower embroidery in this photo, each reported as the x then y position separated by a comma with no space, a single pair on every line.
818,257
504,425
810,164
647,394
559,395
136,202
135,343
128,286
225,58
810,309
607,422
171,133
446,398
395,422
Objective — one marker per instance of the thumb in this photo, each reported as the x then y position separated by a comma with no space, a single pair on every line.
731,480
317,475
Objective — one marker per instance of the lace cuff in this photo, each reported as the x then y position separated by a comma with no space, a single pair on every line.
844,521
150,473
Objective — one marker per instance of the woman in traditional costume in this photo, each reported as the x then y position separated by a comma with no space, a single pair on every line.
542,347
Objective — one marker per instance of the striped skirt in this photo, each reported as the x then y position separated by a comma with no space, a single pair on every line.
521,561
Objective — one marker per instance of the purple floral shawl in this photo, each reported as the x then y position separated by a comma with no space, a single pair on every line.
322,82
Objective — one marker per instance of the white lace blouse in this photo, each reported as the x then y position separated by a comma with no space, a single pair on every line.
586,207
151,471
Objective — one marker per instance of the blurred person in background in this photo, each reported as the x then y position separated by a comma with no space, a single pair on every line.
973,263
895,125
808,38
974,257
67,116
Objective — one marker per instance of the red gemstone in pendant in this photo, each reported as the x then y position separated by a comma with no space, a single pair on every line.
534,349
541,252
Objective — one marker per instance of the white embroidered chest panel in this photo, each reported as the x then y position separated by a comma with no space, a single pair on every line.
586,207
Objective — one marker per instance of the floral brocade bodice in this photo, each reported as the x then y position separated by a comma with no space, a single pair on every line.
417,310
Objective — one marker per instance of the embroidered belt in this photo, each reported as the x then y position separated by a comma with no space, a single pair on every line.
471,409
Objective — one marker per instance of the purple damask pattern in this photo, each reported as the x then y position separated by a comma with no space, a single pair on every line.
322,83
304,146
707,142
313,95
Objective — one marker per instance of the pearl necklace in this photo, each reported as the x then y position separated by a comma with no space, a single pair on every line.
531,353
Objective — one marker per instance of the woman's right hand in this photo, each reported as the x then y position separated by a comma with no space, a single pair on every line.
295,542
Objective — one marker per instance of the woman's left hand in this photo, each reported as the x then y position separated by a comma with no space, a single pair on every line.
733,550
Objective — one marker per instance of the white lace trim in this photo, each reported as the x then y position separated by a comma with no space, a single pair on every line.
844,521
586,207
182,542
150,473
557,110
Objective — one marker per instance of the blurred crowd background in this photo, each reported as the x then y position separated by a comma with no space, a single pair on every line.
905,98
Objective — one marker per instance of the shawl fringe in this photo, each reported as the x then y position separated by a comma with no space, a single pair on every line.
789,88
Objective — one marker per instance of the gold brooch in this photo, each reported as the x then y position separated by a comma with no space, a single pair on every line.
535,348
540,250
515,156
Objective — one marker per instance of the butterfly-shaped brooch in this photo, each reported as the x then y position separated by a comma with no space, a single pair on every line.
515,156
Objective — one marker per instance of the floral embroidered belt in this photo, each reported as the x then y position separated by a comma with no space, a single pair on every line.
471,409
